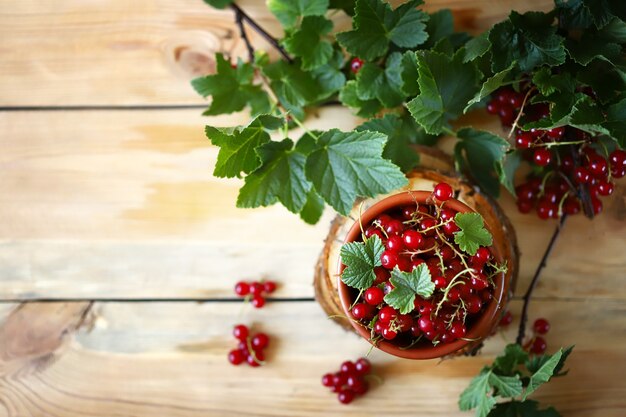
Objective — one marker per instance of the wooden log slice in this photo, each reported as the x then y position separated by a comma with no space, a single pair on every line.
435,167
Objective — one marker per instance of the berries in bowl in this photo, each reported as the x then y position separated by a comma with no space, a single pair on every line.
420,277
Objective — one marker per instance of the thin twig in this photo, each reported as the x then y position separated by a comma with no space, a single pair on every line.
244,35
521,110
533,283
258,29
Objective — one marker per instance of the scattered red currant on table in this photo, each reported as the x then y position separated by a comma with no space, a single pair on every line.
255,291
537,344
350,381
356,64
250,349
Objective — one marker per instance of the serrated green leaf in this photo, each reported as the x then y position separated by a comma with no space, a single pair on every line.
238,146
313,208
600,11
472,234
307,42
548,83
218,4
398,148
374,82
615,31
575,109
346,5
480,152
407,285
476,47
489,86
573,14
346,165
439,26
528,39
279,178
507,168
514,355
365,108
590,48
446,84
615,124
477,395
329,77
231,89
506,386
528,408
543,374
410,74
376,25
602,77
360,259
289,11
293,87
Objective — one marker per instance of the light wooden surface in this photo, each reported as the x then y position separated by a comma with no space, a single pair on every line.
120,204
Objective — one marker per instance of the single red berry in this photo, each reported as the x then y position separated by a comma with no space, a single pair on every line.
443,191
395,243
541,326
440,282
345,396
356,64
382,275
389,259
478,283
524,140
525,192
374,230
240,332
516,100
450,228
408,212
327,380
256,288
507,114
458,329
389,334
347,367
571,205
412,239
596,204
258,301
269,287
539,346
386,314
360,311
506,319
255,359
598,167
374,296
236,357
493,107
542,157
454,294
482,256
242,288
425,324
618,159
340,379
525,206
404,322
394,227
427,226
424,307
555,133
473,304
546,210
363,366
581,175
360,387
605,188
260,341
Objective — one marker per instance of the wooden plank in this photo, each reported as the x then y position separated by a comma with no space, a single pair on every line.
73,52
122,204
168,359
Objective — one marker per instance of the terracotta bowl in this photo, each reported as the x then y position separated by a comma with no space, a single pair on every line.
479,329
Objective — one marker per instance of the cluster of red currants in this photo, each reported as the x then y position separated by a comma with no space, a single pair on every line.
424,234
349,382
257,290
570,162
537,344
250,348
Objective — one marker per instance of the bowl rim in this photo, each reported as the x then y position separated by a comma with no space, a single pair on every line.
479,330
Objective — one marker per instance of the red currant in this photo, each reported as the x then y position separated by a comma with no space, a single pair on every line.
386,314
240,332
360,311
389,259
394,227
412,239
443,191
327,380
541,326
258,301
539,346
506,319
260,341
395,243
236,356
242,288
524,140
542,157
363,366
256,288
356,64
345,396
374,296
581,175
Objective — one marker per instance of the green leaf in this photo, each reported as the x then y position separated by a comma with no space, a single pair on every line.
600,11
476,47
329,77
489,86
472,234
382,84
590,48
218,4
238,146
346,5
231,89
376,25
293,87
439,26
289,11
616,122
345,165
615,31
506,386
507,168
548,83
360,259
366,108
603,78
477,395
308,44
543,374
514,355
279,178
480,152
313,208
410,74
527,39
398,148
573,14
446,85
528,408
407,285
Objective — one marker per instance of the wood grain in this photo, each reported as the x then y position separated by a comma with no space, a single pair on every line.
124,203
73,52
169,359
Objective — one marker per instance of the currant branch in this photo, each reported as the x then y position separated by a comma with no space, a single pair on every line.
524,316
242,32
240,14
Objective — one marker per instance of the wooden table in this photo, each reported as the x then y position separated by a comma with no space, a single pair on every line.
119,250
